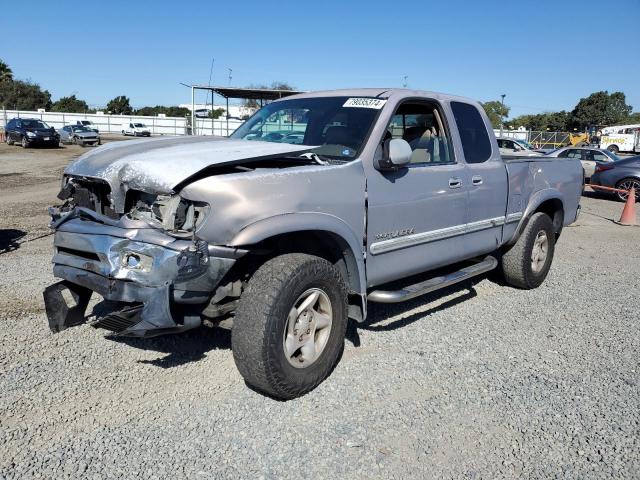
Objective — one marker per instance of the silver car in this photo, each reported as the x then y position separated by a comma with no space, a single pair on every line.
588,156
79,135
515,148
623,174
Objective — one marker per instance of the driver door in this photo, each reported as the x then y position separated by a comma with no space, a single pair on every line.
416,214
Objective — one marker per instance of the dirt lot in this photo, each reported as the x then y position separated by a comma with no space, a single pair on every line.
478,381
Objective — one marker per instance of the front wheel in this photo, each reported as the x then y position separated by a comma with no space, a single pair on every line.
25,142
527,263
8,139
289,328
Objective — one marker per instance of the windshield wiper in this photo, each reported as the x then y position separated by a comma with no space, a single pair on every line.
315,157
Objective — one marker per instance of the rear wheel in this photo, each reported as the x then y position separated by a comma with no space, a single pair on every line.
527,263
628,184
289,328
613,149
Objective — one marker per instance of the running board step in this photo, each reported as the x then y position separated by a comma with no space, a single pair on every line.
413,291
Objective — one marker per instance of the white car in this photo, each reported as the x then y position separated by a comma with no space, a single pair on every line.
512,147
136,129
588,156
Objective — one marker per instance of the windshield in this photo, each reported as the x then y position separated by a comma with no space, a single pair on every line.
524,144
34,124
82,129
337,125
139,125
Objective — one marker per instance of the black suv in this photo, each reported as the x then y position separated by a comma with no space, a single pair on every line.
31,131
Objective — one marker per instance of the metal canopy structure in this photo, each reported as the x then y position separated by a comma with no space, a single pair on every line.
260,94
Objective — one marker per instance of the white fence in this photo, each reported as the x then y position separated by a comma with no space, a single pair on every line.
113,123
221,126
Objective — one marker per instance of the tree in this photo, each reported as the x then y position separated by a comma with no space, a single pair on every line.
168,111
23,95
277,85
633,118
216,113
553,121
120,106
600,108
496,111
5,72
70,104
557,121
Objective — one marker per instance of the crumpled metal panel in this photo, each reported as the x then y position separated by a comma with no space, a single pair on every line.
157,165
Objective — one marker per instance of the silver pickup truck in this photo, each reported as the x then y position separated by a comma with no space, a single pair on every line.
317,205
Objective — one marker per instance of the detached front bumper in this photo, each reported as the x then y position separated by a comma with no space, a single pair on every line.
147,273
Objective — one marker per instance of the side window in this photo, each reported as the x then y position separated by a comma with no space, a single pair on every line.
600,157
473,133
564,154
574,154
420,124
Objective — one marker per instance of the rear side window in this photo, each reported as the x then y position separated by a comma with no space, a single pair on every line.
473,133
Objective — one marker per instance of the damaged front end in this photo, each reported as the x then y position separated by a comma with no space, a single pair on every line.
148,264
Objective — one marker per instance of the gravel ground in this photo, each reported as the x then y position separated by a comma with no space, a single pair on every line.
478,381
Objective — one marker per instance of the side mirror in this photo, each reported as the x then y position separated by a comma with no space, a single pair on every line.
396,153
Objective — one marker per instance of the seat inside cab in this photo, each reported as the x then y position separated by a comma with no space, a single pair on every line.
420,124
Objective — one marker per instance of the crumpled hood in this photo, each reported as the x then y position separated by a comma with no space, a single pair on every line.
158,165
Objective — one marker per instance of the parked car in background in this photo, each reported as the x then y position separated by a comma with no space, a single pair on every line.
588,156
624,174
136,129
88,124
80,135
30,131
512,147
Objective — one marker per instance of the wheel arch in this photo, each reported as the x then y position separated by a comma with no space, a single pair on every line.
314,233
545,201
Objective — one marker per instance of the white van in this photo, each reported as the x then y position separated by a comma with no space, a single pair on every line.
136,129
621,138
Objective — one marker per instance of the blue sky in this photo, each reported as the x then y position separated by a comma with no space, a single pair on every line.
543,55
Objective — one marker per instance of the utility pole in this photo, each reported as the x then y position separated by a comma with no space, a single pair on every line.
404,81
230,75
501,115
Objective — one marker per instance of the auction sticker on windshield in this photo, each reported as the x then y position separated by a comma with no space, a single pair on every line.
375,103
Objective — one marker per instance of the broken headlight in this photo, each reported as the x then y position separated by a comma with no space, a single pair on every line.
170,212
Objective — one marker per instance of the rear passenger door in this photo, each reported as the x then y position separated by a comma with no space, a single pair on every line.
488,187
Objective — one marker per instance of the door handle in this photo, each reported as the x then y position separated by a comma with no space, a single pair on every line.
455,182
476,180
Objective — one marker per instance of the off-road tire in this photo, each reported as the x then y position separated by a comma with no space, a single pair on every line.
516,262
261,317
